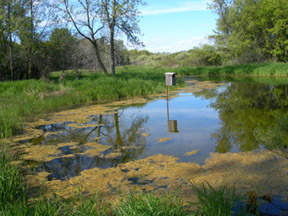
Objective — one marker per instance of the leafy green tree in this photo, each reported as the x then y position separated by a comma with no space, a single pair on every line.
251,31
36,26
11,13
62,45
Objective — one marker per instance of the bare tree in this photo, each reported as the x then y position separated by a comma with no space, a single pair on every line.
84,15
121,16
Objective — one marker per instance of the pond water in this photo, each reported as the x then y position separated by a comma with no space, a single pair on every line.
218,130
222,117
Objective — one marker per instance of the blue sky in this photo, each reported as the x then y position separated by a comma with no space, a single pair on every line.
176,25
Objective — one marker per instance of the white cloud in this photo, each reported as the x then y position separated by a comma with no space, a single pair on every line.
173,45
200,5
158,39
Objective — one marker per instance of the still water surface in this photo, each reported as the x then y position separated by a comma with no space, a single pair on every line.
220,119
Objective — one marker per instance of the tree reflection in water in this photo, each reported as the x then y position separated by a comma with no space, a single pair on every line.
243,107
122,134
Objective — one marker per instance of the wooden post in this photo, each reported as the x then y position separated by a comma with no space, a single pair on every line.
167,92
167,109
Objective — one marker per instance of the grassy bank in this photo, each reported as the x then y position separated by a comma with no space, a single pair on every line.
257,69
22,100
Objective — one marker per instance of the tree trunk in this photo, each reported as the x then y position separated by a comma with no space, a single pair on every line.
118,140
30,63
99,58
11,57
11,62
112,45
99,125
31,41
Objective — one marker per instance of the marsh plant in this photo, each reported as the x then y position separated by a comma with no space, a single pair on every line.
220,201
150,204
11,189
21,100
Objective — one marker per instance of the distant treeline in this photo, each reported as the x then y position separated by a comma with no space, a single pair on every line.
205,55
62,51
38,37
248,31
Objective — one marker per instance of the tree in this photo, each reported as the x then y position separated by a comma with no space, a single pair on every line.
252,30
120,16
11,13
84,15
35,27
62,46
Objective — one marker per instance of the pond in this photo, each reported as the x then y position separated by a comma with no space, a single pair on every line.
207,117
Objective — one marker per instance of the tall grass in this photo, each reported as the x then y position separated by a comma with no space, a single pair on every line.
220,201
21,100
150,205
11,189
256,69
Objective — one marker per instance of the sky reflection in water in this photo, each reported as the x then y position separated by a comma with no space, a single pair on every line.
214,120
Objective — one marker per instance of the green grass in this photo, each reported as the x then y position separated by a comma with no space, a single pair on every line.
151,205
256,69
220,201
22,100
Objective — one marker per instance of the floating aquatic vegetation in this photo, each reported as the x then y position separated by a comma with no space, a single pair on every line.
257,171
97,138
52,133
67,144
196,86
97,149
41,152
145,134
92,153
191,153
98,146
113,155
83,125
129,147
29,133
164,139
